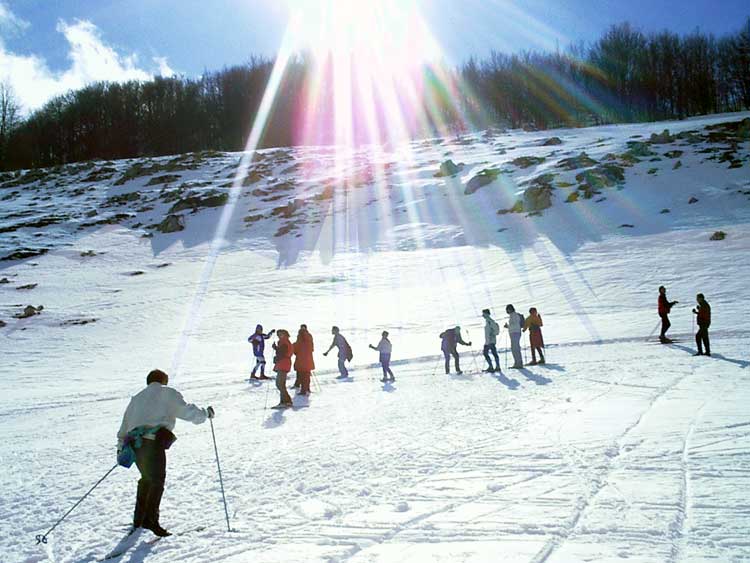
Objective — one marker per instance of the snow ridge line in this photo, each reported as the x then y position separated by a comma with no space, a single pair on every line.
584,502
677,529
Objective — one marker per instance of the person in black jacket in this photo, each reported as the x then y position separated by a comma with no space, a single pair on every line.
702,312
665,306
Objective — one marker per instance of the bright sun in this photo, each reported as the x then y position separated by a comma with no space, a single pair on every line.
369,61
369,32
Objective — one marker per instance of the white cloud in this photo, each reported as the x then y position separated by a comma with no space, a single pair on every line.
91,60
9,21
164,68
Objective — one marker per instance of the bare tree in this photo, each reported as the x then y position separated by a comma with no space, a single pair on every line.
10,116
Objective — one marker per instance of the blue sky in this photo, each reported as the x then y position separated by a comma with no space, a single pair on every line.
62,43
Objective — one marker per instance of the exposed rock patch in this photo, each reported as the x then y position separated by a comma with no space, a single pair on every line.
486,176
29,311
171,224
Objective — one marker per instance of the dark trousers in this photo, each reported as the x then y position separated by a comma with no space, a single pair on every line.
491,348
385,363
665,324
151,460
303,382
701,340
448,354
534,350
284,396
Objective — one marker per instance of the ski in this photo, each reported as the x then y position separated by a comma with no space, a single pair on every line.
131,541
124,545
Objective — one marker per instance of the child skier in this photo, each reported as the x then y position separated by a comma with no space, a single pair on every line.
385,347
534,325
258,340
282,365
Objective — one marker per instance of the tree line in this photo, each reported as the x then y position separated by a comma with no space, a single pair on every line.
625,75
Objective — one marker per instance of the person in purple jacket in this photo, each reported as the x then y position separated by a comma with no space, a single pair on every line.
258,340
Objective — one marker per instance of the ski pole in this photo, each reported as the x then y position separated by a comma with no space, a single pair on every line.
473,355
221,481
653,331
43,538
268,389
506,351
315,379
437,363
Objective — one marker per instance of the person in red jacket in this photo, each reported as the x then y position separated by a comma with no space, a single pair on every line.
282,365
703,316
665,306
303,359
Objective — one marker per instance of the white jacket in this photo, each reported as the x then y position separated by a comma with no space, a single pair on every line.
491,330
384,346
158,405
514,323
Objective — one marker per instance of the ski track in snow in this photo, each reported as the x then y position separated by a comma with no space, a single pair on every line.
618,449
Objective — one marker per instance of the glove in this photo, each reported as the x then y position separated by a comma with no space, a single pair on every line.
272,331
469,343
211,412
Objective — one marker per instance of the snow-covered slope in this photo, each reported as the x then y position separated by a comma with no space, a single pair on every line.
618,448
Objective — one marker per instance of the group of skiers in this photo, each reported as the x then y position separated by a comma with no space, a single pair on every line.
304,364
516,325
702,312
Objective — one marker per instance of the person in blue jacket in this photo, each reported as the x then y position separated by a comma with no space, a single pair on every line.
258,340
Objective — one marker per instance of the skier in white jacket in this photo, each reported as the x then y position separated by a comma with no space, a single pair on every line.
514,326
491,330
147,426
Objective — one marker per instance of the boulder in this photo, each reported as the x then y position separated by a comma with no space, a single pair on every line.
23,253
603,176
661,138
639,149
692,200
575,162
552,141
29,311
486,176
448,168
526,161
537,198
2,323
163,179
196,201
718,235
171,224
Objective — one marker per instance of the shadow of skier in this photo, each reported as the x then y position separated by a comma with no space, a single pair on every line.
511,384
531,376
741,363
